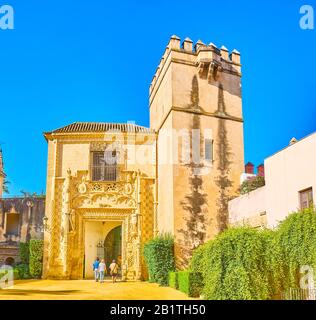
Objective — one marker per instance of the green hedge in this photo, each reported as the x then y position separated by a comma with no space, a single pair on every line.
173,280
293,246
244,263
16,274
24,252
190,283
198,262
234,265
159,258
36,257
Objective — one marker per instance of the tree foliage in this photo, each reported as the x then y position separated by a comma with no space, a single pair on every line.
28,194
5,186
252,184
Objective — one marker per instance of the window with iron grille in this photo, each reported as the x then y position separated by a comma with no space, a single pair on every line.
306,198
104,166
209,149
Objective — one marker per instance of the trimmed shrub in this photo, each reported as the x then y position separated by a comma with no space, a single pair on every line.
159,258
183,281
16,275
36,257
23,271
196,284
173,280
190,283
198,260
24,252
234,265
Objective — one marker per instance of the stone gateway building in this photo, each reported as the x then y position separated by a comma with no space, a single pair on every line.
112,187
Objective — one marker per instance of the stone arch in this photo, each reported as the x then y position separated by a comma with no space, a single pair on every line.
113,245
9,261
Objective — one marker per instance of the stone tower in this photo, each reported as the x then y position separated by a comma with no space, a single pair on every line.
2,174
196,109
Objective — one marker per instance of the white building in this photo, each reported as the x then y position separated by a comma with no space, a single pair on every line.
290,176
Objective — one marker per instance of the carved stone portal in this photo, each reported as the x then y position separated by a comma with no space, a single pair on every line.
81,201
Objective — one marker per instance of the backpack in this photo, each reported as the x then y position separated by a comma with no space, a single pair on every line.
114,270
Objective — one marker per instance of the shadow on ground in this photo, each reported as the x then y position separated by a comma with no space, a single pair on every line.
18,292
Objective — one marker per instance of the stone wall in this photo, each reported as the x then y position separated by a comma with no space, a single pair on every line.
21,219
249,209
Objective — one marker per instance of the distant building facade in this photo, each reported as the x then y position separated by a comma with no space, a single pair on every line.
21,219
290,185
112,187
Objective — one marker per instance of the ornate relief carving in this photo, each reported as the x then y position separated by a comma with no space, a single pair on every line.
121,194
105,215
116,187
128,188
104,200
82,187
97,146
133,225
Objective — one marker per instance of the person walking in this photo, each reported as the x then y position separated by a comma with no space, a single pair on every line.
114,270
102,270
95,266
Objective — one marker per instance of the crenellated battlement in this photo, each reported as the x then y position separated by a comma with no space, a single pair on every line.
200,54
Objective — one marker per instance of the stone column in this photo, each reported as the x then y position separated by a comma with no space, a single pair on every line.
63,256
139,230
30,224
124,241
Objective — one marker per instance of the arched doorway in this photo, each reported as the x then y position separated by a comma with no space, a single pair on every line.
9,261
102,239
113,245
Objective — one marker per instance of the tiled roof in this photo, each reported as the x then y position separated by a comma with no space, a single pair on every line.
102,127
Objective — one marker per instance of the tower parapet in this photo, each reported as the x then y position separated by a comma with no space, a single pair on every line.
201,54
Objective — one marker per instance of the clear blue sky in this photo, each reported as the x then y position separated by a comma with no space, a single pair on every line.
93,60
